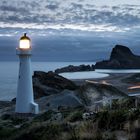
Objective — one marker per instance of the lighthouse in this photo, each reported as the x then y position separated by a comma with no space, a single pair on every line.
25,100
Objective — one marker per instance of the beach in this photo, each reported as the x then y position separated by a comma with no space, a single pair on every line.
114,79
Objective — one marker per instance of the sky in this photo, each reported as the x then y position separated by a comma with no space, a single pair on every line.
70,30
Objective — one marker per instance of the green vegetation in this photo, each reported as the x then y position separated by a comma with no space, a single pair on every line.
44,117
124,103
103,126
15,120
75,116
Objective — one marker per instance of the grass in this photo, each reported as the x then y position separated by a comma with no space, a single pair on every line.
44,117
72,127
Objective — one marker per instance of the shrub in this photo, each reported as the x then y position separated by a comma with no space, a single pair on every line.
15,120
111,119
6,133
75,116
50,131
44,117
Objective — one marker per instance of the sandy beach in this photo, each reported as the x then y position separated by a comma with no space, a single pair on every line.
114,79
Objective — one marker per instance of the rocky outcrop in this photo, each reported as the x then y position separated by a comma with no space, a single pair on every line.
63,100
121,58
93,92
56,91
50,83
72,68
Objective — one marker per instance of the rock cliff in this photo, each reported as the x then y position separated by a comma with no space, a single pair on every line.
121,58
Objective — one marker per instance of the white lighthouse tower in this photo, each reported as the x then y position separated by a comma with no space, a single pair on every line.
24,100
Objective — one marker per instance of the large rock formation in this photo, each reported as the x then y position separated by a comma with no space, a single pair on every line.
50,83
121,58
63,100
72,68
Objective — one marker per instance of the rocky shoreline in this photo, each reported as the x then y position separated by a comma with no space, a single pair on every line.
72,68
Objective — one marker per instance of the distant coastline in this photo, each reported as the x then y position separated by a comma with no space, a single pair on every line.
121,57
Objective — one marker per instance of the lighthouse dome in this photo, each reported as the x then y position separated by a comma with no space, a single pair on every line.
25,37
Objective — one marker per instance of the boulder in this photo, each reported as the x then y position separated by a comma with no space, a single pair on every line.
121,58
65,99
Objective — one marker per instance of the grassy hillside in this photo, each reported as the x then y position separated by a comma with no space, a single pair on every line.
70,125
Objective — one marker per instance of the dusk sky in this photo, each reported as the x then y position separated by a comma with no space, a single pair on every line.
70,30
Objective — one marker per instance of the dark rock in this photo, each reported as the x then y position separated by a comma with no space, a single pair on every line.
4,104
65,99
120,52
72,68
121,58
50,83
13,100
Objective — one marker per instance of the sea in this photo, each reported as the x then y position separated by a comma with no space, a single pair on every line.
9,74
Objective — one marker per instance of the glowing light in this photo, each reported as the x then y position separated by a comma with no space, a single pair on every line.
24,42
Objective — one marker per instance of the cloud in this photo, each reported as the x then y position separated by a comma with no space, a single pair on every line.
80,15
52,6
76,6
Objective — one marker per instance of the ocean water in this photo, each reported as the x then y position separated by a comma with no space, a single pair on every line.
9,74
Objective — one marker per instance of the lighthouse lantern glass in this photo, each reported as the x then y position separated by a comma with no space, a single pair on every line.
24,44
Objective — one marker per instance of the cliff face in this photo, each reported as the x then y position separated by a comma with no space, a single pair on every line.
121,58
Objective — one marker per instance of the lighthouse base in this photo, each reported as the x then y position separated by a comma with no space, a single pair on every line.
31,108
34,108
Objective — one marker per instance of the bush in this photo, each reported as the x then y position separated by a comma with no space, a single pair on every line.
125,103
133,114
75,116
6,133
50,131
15,120
45,116
111,119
